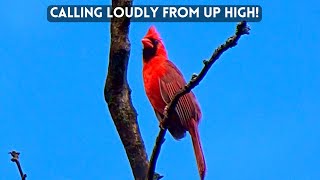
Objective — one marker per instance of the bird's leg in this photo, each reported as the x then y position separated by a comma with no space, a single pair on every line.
163,122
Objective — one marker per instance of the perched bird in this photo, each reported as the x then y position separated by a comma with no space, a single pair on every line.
162,80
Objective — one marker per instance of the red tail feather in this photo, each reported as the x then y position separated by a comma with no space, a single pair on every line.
193,130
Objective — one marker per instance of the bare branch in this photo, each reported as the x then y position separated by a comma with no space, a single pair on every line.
15,158
118,94
242,29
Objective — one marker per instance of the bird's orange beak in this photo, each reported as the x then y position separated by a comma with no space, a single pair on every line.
147,43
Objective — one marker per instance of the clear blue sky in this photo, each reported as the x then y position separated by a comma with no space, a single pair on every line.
260,101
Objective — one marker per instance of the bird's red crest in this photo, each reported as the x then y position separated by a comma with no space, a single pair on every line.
153,33
153,45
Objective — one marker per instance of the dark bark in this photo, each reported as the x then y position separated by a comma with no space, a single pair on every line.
15,158
118,95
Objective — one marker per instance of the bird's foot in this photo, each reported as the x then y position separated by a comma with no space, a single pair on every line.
162,124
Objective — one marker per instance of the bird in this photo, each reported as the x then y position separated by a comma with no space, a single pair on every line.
162,80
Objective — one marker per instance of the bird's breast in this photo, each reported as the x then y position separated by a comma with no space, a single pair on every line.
152,73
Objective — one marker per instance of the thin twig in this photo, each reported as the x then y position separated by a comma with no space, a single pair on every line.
242,29
15,158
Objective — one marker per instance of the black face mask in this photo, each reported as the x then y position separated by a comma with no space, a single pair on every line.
148,53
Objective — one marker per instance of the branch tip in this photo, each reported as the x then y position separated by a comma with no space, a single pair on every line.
242,28
15,158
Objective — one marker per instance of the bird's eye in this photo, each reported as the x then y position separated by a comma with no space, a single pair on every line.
154,42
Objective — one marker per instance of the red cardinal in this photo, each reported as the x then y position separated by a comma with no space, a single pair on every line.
162,80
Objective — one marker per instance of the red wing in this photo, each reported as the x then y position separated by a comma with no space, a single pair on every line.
170,84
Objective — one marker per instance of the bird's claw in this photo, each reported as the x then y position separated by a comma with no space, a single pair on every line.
162,124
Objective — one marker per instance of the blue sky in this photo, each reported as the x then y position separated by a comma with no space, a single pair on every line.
260,101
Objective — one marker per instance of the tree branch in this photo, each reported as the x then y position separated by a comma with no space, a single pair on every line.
242,29
118,94
15,158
